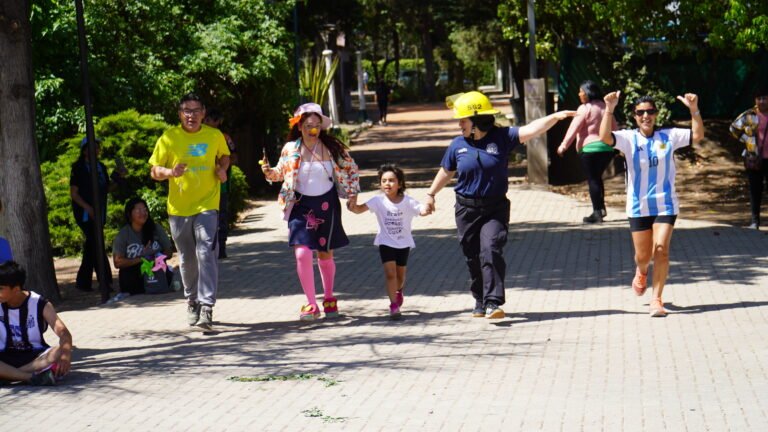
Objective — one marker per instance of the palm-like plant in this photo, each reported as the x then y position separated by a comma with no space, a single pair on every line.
315,81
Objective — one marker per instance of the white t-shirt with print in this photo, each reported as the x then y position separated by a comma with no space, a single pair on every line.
394,221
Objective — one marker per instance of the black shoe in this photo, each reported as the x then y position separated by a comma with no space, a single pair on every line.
493,311
479,310
603,212
595,217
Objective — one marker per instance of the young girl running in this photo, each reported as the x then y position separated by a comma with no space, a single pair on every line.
394,211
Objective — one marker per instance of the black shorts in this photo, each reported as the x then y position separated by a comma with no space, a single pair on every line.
399,256
645,223
18,359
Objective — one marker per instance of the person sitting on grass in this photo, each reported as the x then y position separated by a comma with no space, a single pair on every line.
24,355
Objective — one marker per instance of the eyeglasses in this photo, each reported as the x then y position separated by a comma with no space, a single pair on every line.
192,112
643,112
310,125
761,98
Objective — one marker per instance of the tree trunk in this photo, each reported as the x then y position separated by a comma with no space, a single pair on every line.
429,58
23,219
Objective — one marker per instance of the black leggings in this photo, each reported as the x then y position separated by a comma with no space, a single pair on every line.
594,165
757,180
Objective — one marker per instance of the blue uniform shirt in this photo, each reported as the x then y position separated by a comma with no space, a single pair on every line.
482,168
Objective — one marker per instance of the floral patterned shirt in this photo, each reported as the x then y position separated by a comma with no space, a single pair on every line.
745,128
346,177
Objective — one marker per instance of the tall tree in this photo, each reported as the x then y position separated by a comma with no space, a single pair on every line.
21,189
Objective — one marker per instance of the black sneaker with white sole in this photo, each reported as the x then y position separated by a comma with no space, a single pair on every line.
493,311
479,310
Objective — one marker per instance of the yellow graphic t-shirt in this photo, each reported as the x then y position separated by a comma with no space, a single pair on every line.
198,189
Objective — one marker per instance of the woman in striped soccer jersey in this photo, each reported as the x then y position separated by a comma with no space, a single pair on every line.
652,204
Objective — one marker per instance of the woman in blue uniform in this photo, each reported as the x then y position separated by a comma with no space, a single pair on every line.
479,158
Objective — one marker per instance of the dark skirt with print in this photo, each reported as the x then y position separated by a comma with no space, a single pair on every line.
315,222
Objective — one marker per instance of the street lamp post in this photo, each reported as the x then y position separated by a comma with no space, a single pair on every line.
98,223
362,114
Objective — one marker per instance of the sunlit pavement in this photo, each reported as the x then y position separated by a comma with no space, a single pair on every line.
577,350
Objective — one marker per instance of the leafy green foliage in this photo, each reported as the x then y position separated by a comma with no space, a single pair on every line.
146,54
475,47
131,137
632,78
315,81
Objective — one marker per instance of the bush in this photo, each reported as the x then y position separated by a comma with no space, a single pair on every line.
131,137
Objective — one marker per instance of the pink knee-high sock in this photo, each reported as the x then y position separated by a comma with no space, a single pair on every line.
306,272
327,274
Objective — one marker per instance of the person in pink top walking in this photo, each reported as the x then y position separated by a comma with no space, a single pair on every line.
595,154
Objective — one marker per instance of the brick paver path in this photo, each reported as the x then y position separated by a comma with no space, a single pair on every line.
576,352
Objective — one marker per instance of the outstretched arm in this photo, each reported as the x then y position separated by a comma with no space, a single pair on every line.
539,126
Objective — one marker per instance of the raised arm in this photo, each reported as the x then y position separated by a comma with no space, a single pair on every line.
539,126
691,101
606,125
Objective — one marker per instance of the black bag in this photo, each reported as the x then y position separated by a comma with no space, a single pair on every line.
157,283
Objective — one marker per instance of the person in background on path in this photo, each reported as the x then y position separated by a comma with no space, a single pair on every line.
140,238
194,159
595,154
214,119
652,204
751,128
382,100
24,318
365,80
480,157
316,170
394,211
83,197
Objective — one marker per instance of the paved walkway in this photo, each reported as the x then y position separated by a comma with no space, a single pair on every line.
576,352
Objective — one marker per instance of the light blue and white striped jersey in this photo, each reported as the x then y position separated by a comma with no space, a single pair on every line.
651,170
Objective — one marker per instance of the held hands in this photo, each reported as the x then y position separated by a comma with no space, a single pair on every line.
430,204
611,100
691,101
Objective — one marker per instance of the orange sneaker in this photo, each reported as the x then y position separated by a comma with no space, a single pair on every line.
640,282
657,308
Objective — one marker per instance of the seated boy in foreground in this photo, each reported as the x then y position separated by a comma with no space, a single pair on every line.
24,355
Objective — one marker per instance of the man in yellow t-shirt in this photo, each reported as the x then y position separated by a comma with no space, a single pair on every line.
194,159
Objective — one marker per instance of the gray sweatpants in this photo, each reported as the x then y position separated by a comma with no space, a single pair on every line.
195,238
